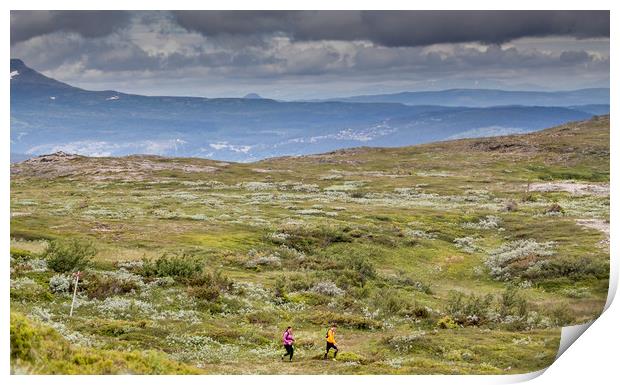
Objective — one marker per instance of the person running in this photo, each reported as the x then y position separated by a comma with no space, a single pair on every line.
331,342
287,340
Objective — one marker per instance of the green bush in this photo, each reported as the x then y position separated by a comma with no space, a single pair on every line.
181,268
512,303
342,319
299,282
279,290
21,255
116,328
308,239
468,310
460,355
362,269
24,338
264,317
30,291
446,323
38,349
351,357
69,256
390,301
405,343
575,268
208,285
415,311
561,315
402,279
509,309
101,286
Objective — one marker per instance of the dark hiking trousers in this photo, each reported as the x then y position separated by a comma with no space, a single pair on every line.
330,346
289,351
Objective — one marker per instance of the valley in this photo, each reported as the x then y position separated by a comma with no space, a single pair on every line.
455,257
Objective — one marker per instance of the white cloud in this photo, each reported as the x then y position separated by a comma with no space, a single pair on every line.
231,147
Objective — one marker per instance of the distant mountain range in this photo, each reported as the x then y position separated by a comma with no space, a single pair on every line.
48,115
488,98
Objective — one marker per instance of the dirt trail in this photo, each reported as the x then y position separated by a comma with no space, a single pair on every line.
575,188
596,224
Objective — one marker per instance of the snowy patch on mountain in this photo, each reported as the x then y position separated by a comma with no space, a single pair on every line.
115,97
349,134
487,131
105,148
14,74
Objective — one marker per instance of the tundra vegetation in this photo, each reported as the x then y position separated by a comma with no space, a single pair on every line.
454,257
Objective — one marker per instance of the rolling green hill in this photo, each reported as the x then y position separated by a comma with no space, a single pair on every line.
464,257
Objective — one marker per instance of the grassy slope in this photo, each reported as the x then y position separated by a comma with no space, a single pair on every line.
145,206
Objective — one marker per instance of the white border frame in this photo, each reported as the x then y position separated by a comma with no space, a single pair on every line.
592,359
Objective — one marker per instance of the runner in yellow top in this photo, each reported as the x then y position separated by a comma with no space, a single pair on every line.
331,341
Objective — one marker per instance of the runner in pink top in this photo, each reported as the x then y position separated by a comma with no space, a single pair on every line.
287,341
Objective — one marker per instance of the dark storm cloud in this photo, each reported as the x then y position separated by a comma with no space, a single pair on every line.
388,28
140,51
400,28
29,24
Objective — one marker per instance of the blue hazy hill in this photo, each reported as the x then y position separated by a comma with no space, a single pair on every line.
48,115
488,98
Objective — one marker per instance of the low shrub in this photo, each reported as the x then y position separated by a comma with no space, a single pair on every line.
21,255
68,256
351,357
415,311
467,244
209,285
511,206
122,307
263,317
460,355
509,309
512,303
24,338
269,261
327,288
485,223
35,265
519,259
362,269
38,349
404,280
104,285
576,292
26,289
554,209
574,268
446,323
309,298
307,239
299,282
468,310
181,268
405,343
561,315
390,302
60,283
343,319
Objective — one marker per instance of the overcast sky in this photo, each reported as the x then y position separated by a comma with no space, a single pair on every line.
314,54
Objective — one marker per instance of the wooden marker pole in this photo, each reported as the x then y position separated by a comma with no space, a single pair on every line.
77,279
